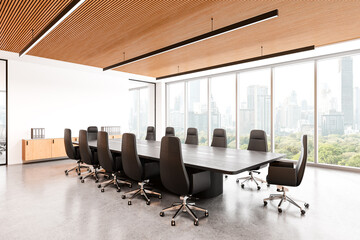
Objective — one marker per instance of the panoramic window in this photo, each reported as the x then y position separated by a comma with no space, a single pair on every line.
3,112
294,108
254,93
197,108
141,108
176,113
222,106
339,111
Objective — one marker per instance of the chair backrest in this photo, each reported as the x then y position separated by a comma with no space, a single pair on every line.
219,138
85,152
301,164
150,133
92,132
170,132
192,136
172,169
69,147
104,155
258,141
130,159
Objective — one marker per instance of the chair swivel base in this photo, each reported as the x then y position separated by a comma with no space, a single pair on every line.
93,173
142,192
77,168
184,206
252,178
283,198
114,181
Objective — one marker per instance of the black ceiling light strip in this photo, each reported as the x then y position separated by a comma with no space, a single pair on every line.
220,31
278,54
48,28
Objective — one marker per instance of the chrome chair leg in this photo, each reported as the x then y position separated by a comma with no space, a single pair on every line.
251,178
184,206
143,192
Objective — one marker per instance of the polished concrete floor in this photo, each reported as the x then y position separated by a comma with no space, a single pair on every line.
37,201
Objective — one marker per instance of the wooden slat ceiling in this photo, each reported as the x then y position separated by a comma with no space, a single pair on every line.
99,32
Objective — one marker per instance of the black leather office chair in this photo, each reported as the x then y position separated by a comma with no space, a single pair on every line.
177,179
150,133
257,142
111,165
137,170
72,153
92,132
192,136
219,138
88,156
170,132
284,174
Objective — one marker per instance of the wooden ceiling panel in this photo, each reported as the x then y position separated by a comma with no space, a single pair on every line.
20,20
99,32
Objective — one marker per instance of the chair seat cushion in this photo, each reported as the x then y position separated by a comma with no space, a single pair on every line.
199,180
151,169
280,175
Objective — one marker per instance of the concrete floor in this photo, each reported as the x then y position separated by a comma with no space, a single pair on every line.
37,201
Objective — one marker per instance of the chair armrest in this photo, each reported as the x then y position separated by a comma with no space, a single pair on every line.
199,181
282,164
281,175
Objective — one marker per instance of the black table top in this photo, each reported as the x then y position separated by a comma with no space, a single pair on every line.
223,160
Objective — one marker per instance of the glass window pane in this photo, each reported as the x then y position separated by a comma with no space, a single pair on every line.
175,102
339,111
134,112
197,108
294,109
222,106
143,113
2,112
254,104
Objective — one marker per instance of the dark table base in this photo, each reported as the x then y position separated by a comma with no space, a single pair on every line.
216,188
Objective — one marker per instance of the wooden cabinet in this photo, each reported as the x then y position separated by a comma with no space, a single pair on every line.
37,149
58,148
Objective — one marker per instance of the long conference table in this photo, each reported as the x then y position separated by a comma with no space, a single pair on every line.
217,160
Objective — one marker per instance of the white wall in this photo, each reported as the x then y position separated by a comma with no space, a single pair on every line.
55,95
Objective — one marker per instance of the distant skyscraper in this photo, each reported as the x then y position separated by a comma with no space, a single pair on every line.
258,100
194,93
332,123
357,108
347,98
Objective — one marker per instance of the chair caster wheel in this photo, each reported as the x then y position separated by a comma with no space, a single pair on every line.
237,180
147,202
160,196
66,172
268,185
242,185
206,213
118,190
129,202
172,222
123,196
96,181
279,210
226,176
265,203
102,190
196,222
80,177
258,187
303,212
162,214
79,173
82,181
306,205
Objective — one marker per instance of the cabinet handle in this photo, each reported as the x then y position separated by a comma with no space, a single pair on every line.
27,142
53,141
